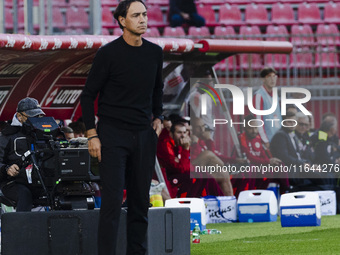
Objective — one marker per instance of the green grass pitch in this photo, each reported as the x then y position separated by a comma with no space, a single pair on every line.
271,238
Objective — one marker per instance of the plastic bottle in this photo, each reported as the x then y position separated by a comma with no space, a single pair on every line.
215,232
196,234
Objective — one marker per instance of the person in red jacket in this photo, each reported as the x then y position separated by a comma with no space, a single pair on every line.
173,153
257,154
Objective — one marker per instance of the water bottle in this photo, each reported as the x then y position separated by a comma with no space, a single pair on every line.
196,234
215,232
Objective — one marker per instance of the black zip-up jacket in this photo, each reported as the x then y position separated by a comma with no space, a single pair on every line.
13,145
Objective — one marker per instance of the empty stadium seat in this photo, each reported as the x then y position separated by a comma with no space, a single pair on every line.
8,3
326,57
229,64
309,13
238,2
157,2
105,31
84,3
327,35
225,32
252,61
278,61
110,3
117,32
174,32
108,20
301,57
207,12
264,1
283,14
8,19
332,13
152,32
256,14
198,32
302,35
276,33
76,17
57,18
230,15
155,17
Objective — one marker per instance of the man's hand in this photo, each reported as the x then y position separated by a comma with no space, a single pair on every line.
275,161
157,126
185,16
94,144
13,170
185,142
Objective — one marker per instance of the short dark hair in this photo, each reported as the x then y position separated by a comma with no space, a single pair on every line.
176,124
267,70
123,8
328,123
248,118
78,127
66,130
288,115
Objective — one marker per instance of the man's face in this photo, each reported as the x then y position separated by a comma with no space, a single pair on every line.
136,19
180,133
251,132
69,136
302,126
270,80
198,127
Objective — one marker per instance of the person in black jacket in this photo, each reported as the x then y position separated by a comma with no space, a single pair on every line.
15,178
127,75
184,11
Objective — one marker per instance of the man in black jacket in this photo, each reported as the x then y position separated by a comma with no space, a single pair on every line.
127,75
15,178
184,11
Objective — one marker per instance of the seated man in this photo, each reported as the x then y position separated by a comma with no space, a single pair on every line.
173,153
184,11
257,154
15,177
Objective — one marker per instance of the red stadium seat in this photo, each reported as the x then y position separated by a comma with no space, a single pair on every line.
302,35
207,12
256,14
76,17
216,2
152,32
85,3
237,2
283,14
110,3
108,20
229,64
230,15
174,32
278,61
332,13
327,35
264,1
57,19
292,1
198,32
225,32
105,31
8,3
157,2
301,58
8,19
155,17
276,33
117,32
326,57
309,13
252,61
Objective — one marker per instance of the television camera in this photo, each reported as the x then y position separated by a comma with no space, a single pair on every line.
62,171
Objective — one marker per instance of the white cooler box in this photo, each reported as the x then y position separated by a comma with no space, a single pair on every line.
220,209
197,209
327,202
300,209
257,206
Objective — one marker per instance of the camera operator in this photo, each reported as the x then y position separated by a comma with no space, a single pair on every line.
14,176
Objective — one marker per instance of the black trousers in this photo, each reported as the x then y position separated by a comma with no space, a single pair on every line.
21,194
128,157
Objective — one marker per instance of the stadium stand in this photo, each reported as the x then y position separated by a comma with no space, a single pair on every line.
208,14
230,15
283,14
117,32
108,20
155,17
224,32
276,33
8,19
198,32
332,13
84,3
252,61
158,2
326,57
302,35
76,17
110,3
174,32
327,35
301,58
152,32
309,13
256,14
